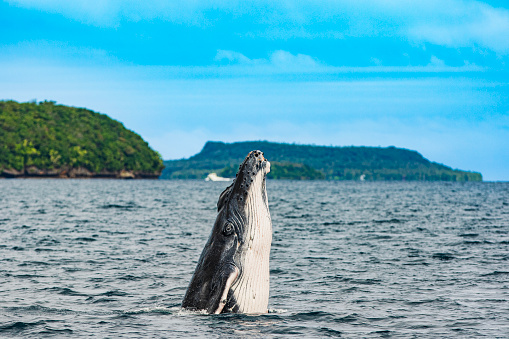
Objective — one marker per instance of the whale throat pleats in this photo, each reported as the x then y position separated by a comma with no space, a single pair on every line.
251,290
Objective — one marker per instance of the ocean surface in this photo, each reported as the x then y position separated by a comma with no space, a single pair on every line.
112,259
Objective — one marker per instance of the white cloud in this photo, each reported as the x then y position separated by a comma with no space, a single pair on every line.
453,23
436,62
232,57
47,51
287,60
376,61
471,24
43,54
278,62
459,122
284,62
101,13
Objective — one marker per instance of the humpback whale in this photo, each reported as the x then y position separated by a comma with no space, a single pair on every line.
232,274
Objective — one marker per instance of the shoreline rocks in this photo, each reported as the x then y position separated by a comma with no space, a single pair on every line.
74,173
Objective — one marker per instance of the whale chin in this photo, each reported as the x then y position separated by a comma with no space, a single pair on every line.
266,167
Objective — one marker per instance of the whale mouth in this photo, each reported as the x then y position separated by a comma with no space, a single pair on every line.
265,166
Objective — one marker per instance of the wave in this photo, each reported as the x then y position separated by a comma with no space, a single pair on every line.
128,206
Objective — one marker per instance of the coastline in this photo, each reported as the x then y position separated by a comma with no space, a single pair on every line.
74,173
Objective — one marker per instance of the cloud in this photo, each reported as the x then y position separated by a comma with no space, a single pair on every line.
278,62
232,57
111,13
436,62
287,60
283,62
100,13
49,52
472,24
461,122
225,64
451,23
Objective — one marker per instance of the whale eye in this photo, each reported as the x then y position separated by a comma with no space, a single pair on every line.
228,229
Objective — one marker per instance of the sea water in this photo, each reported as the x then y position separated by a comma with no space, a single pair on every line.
107,258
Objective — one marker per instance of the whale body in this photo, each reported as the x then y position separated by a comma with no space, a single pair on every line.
232,274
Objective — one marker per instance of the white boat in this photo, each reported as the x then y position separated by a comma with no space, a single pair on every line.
214,177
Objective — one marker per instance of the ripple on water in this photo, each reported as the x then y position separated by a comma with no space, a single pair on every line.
85,258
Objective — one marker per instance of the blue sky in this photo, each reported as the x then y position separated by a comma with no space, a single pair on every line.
432,76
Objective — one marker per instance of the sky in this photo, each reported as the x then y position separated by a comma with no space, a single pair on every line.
431,76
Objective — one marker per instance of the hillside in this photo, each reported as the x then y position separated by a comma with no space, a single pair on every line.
48,140
290,161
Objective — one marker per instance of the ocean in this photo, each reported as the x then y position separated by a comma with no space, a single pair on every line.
112,259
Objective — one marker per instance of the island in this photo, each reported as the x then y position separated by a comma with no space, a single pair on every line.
56,141
309,162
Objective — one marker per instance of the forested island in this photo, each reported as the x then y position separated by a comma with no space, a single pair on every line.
49,140
306,162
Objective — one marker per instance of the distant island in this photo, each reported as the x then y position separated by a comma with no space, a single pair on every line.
49,140
307,162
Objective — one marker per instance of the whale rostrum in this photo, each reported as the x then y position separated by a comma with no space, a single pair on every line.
232,274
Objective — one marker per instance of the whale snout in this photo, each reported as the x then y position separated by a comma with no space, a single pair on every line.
262,162
255,161
258,155
251,175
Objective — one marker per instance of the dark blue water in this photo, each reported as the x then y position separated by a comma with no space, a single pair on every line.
106,258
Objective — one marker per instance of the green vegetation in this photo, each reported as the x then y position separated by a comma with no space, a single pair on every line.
290,161
281,170
45,139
